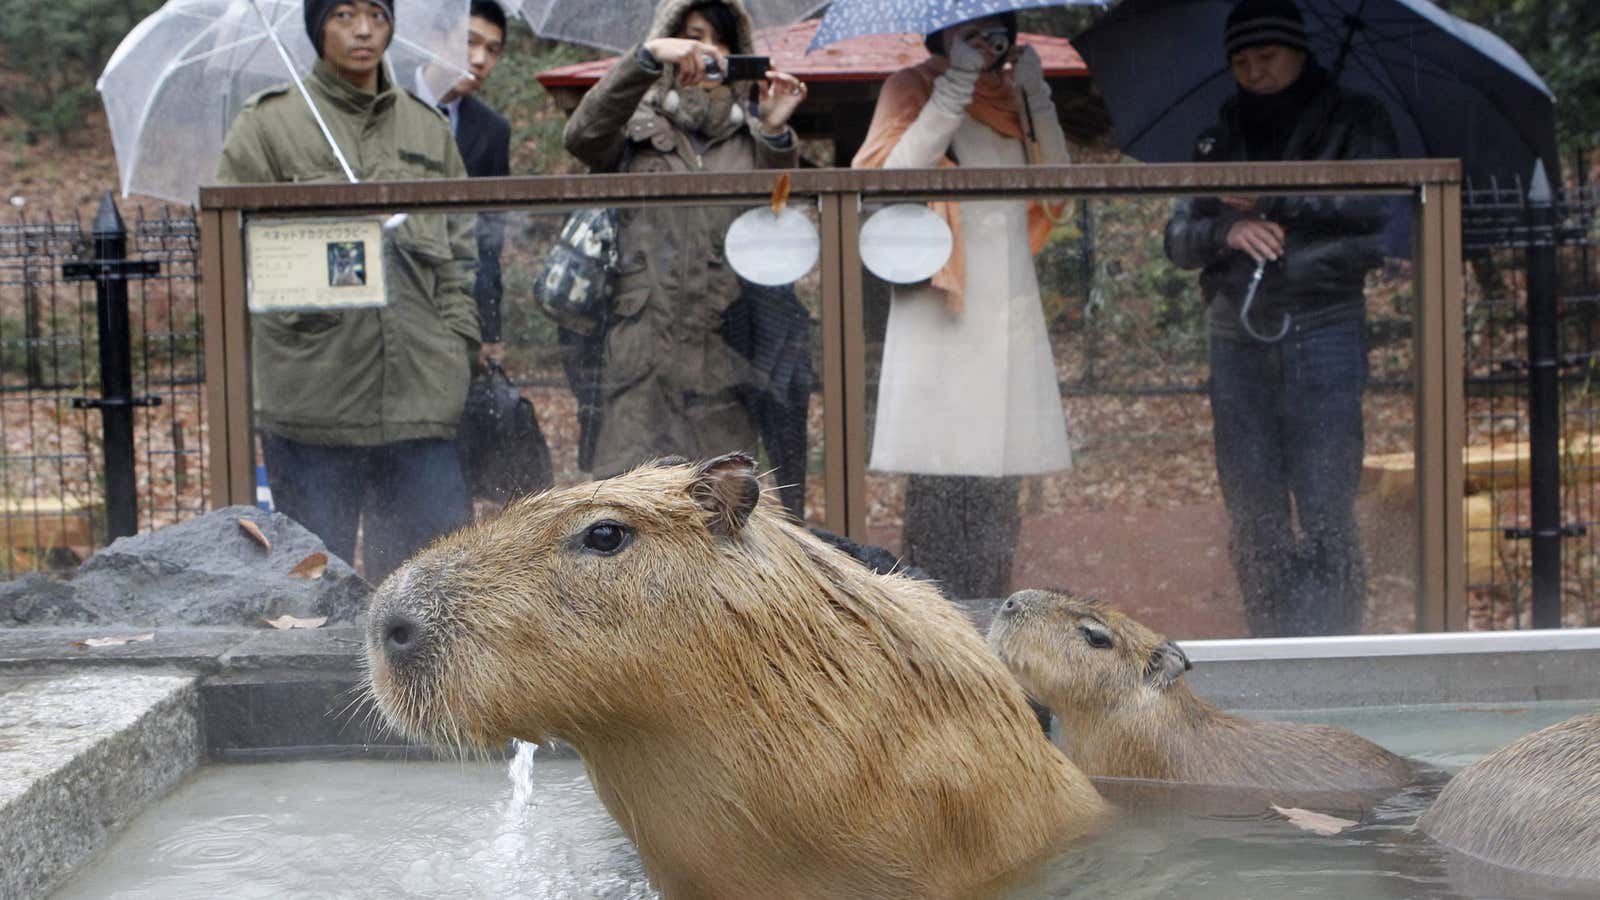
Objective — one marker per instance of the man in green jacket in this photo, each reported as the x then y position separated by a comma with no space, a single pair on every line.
358,408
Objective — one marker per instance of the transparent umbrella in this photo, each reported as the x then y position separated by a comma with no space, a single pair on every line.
619,24
176,82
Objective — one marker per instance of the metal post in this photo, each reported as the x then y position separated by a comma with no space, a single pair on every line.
111,272
1544,404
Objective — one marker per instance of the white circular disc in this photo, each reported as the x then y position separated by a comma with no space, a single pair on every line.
905,243
772,250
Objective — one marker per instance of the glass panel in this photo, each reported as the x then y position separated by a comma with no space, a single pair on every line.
1056,427
684,358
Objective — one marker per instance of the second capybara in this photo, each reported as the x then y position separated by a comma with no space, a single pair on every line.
1533,805
1125,711
762,715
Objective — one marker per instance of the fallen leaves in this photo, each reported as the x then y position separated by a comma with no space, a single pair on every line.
113,641
311,567
286,622
254,533
1319,823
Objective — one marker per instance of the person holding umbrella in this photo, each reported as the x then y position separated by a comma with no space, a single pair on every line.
1283,281
357,408
968,400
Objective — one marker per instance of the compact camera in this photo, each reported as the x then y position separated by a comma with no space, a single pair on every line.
740,67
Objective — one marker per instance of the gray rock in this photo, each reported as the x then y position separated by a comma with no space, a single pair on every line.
37,599
208,571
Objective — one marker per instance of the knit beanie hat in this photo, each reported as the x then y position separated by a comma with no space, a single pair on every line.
1256,22
318,11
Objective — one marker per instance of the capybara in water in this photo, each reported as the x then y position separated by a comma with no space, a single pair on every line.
763,716
1126,711
1533,805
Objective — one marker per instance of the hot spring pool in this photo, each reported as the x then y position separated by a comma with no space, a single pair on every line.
369,829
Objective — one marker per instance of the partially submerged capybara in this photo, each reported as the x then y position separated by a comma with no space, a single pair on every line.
1126,711
1533,805
763,716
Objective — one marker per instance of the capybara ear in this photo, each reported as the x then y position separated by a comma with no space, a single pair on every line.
727,487
1167,664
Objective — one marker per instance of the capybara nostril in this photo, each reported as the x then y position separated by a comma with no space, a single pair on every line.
402,634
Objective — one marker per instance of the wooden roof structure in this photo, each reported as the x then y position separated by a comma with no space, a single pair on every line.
844,80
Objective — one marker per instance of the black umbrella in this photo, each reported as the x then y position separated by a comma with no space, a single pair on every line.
1453,89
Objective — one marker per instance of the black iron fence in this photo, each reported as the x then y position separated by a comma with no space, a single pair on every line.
92,450
1533,376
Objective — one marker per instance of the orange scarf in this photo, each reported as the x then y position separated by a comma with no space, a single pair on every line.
994,103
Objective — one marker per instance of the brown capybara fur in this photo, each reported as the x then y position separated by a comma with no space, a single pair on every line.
761,714
1126,712
1533,805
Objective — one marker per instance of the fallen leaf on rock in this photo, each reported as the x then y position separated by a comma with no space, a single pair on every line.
1319,823
254,533
311,567
286,622
114,641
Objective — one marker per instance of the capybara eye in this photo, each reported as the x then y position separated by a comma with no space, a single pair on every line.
1097,639
606,537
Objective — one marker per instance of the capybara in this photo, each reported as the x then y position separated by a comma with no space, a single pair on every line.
1533,805
1126,712
763,716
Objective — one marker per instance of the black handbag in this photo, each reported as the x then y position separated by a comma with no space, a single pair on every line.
575,285
503,451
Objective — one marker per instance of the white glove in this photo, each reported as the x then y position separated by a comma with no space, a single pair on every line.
963,56
952,91
1028,72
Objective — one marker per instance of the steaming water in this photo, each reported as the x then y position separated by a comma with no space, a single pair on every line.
427,829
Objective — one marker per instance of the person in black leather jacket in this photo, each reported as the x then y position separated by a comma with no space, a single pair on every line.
1288,353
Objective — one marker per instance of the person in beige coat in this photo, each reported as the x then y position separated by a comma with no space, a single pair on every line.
670,383
968,399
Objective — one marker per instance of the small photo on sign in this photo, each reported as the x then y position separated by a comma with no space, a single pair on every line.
347,263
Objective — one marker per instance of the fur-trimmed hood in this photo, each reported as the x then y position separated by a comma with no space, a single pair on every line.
670,13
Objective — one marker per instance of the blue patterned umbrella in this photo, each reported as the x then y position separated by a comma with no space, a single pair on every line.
853,18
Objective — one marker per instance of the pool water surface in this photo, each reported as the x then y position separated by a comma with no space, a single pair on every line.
365,829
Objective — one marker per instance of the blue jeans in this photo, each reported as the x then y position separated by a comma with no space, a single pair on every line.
405,494
1288,430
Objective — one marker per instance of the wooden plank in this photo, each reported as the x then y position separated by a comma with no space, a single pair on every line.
855,369
565,191
1453,438
1428,441
238,468
835,517
212,276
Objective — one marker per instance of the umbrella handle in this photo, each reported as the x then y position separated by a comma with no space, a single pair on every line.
1244,311
272,35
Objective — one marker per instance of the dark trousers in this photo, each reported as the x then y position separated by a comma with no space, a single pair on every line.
404,495
1288,429
963,531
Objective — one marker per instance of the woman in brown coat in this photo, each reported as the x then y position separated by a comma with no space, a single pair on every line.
670,382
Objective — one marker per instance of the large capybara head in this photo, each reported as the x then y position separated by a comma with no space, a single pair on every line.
1078,653
567,607
762,714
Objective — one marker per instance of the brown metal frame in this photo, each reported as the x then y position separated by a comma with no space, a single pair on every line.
1436,213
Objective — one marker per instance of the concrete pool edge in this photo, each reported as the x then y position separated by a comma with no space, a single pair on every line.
249,694
85,754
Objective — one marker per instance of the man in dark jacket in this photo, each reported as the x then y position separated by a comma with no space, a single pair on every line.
1282,279
484,138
